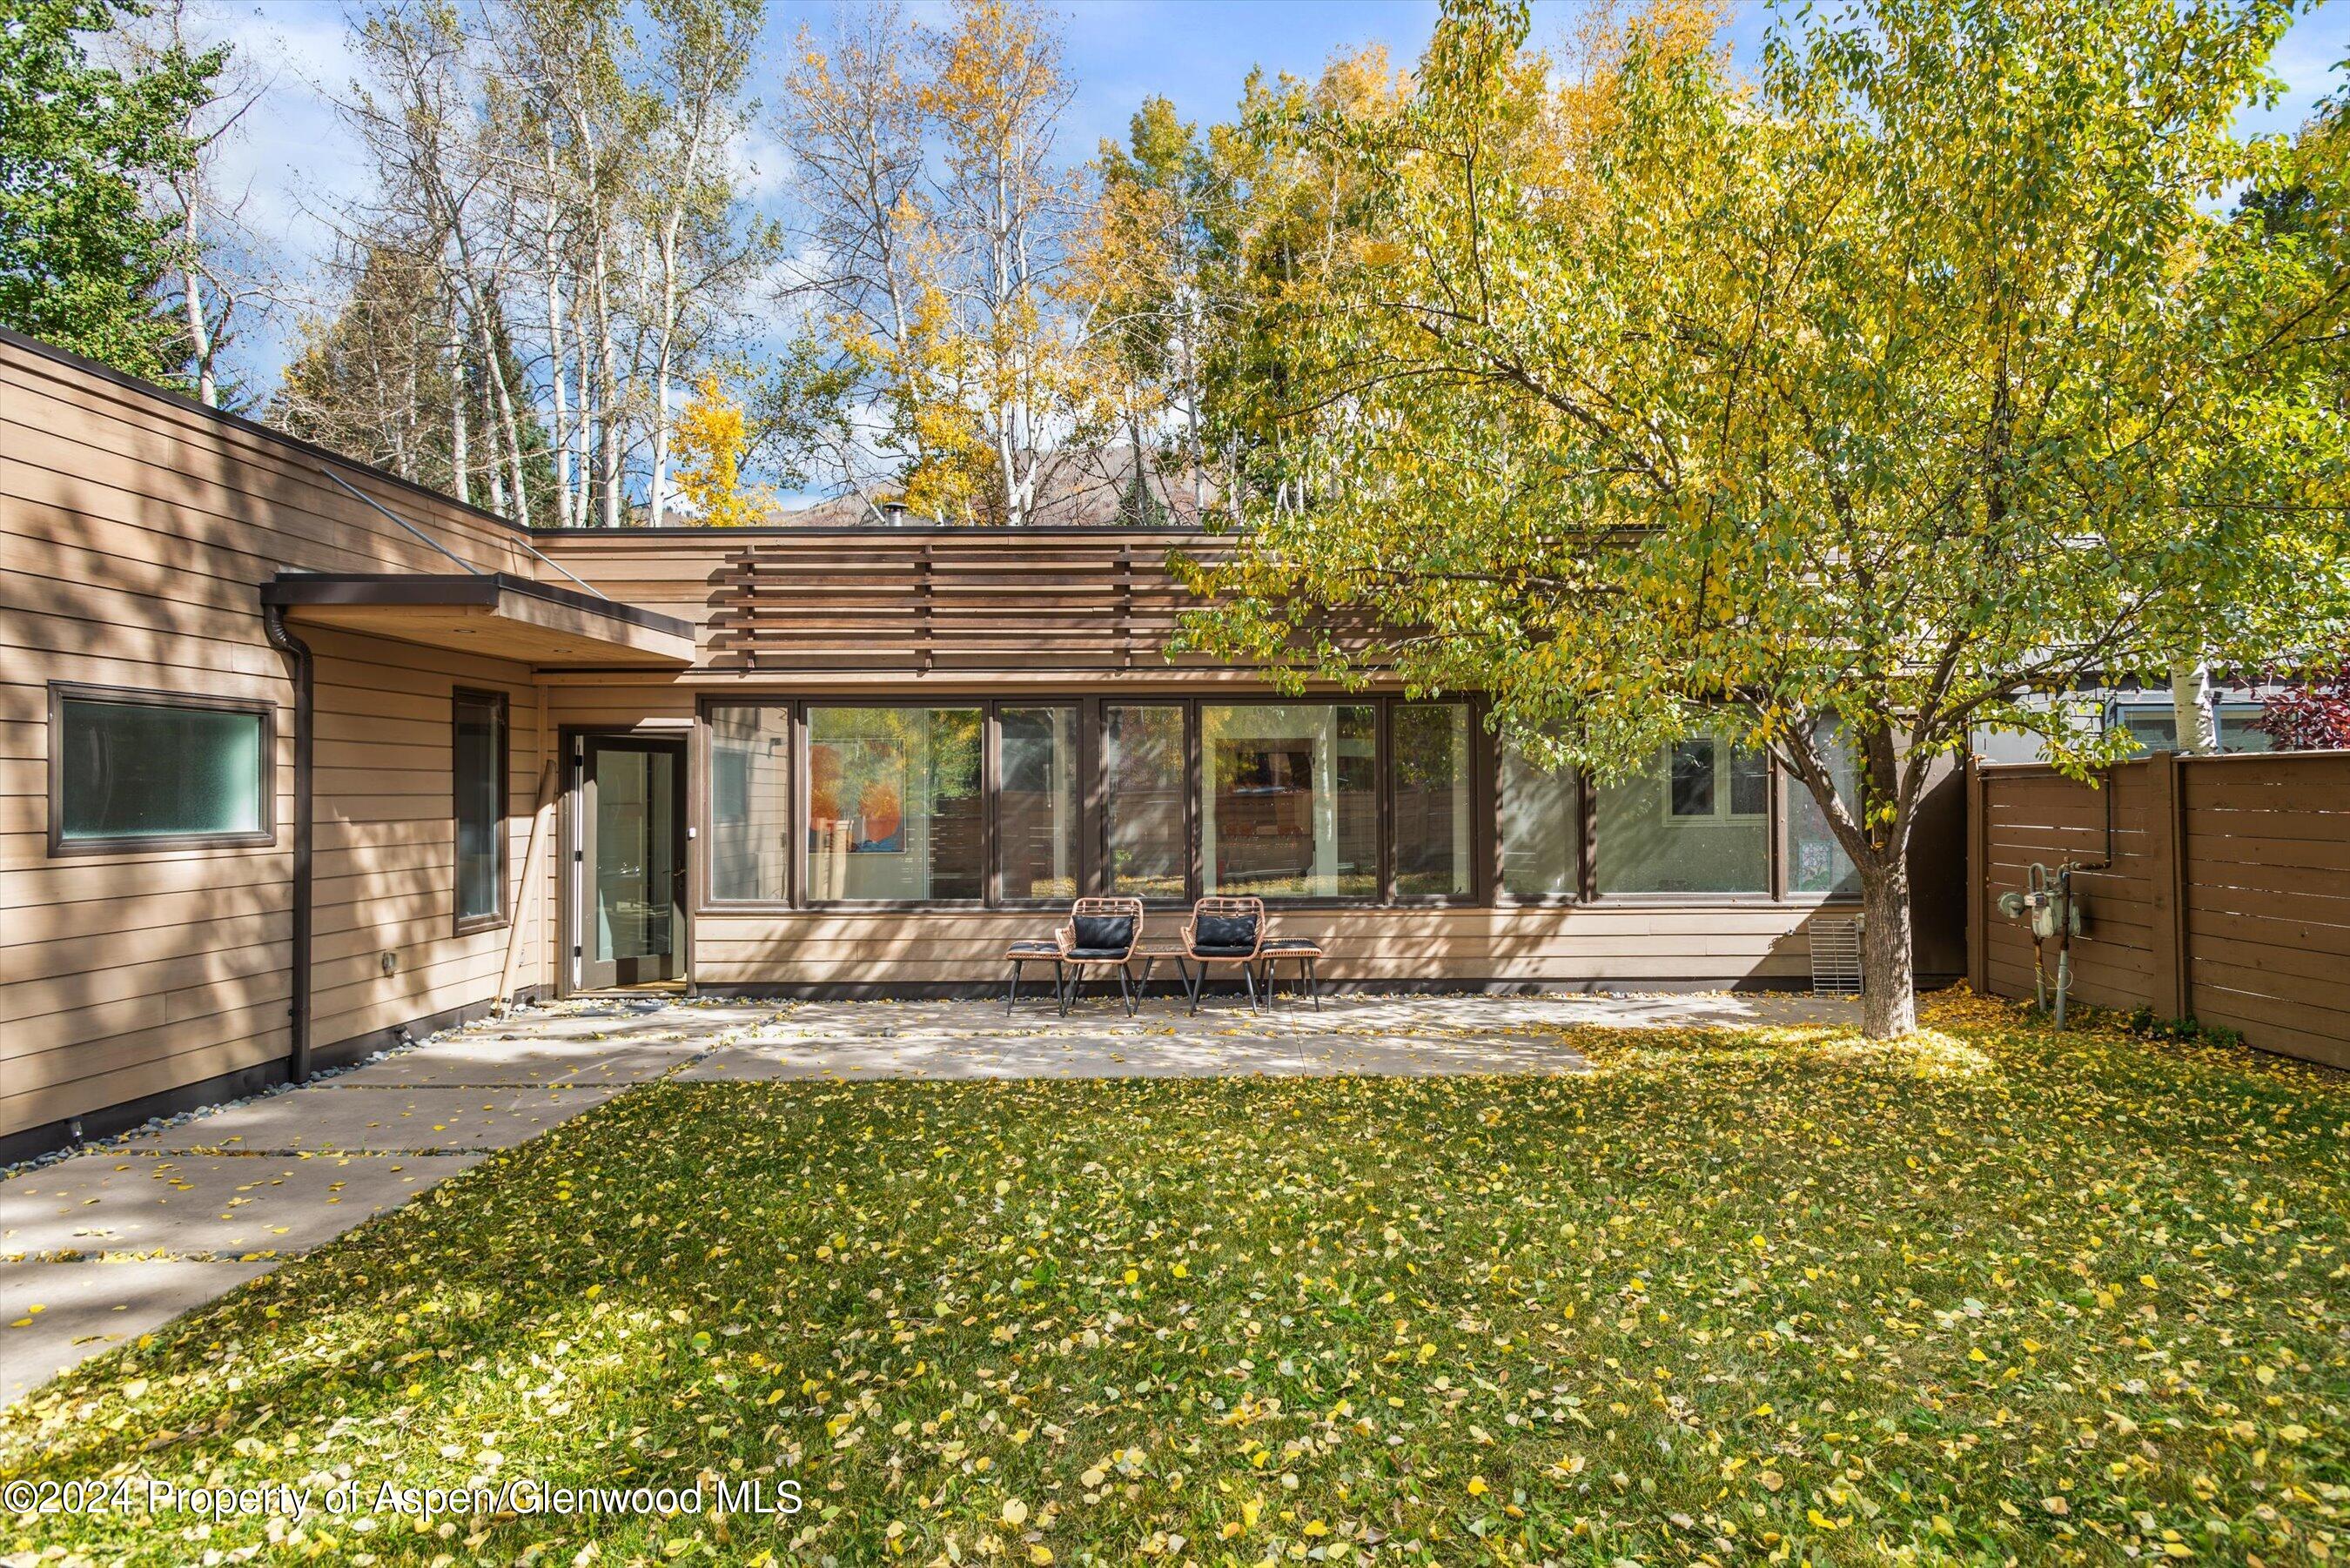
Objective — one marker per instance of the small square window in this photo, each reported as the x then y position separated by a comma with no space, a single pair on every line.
1692,777
1749,782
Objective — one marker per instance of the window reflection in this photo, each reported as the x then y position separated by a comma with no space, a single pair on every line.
1290,807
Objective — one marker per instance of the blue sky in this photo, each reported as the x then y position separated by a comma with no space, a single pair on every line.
298,161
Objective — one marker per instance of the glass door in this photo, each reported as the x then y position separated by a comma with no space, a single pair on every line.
632,818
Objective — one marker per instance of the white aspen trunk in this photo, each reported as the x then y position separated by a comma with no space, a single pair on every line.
1194,456
460,455
2190,706
582,513
607,440
550,259
665,356
200,336
509,425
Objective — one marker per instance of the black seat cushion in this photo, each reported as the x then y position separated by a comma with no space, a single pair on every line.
1101,936
1111,953
1293,945
1223,950
1212,932
1035,950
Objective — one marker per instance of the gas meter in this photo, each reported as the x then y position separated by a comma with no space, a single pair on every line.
2053,912
2048,899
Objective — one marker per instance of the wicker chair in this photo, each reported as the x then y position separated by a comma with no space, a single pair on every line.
1226,931
1101,934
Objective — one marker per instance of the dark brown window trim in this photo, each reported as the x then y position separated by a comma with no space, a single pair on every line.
64,691
464,924
1092,705
702,786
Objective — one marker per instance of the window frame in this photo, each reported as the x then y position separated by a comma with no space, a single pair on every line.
1721,771
2119,713
804,781
1095,875
1775,861
1484,826
1091,705
991,786
701,814
503,705
1785,790
1580,820
64,691
1382,895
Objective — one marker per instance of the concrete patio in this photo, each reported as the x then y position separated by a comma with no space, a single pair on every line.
110,1243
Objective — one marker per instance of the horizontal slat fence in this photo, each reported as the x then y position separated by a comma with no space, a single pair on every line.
2212,888
942,601
922,601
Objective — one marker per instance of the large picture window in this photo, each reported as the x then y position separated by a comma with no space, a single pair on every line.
894,809
750,804
1037,801
478,787
1541,831
1147,783
148,770
1694,819
1036,834
1430,800
1289,806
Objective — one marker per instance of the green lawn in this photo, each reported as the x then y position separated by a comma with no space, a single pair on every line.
1993,1293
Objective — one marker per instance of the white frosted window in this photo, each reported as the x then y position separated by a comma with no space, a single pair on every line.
134,770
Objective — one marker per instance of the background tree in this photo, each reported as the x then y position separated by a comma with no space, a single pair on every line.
560,185
220,277
2310,716
1879,401
82,253
943,246
713,434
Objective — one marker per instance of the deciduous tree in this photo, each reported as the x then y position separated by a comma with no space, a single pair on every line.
1884,398
83,252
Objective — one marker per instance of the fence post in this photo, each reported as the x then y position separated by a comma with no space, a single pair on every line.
1978,872
2166,885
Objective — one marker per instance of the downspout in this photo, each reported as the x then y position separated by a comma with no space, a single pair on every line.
297,655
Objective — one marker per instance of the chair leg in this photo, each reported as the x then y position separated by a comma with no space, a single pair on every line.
1011,992
1069,990
1194,978
1248,978
1124,993
1314,984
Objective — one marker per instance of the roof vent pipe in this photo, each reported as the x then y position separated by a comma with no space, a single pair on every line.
893,514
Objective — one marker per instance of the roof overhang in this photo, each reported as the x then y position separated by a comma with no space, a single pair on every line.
493,614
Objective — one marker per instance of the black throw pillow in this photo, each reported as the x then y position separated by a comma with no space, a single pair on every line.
1115,932
1226,931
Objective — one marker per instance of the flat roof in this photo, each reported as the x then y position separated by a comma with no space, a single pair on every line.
492,613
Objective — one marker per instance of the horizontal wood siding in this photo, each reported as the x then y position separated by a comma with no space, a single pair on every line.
1531,946
134,533
2227,900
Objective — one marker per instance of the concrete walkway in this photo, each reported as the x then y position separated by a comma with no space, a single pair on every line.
112,1243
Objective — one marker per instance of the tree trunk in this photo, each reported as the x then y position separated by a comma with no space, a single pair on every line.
1888,994
461,460
2190,704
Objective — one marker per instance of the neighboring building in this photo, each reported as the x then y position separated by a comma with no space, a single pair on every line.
2149,716
772,761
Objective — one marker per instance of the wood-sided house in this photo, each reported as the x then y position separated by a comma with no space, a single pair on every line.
300,757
